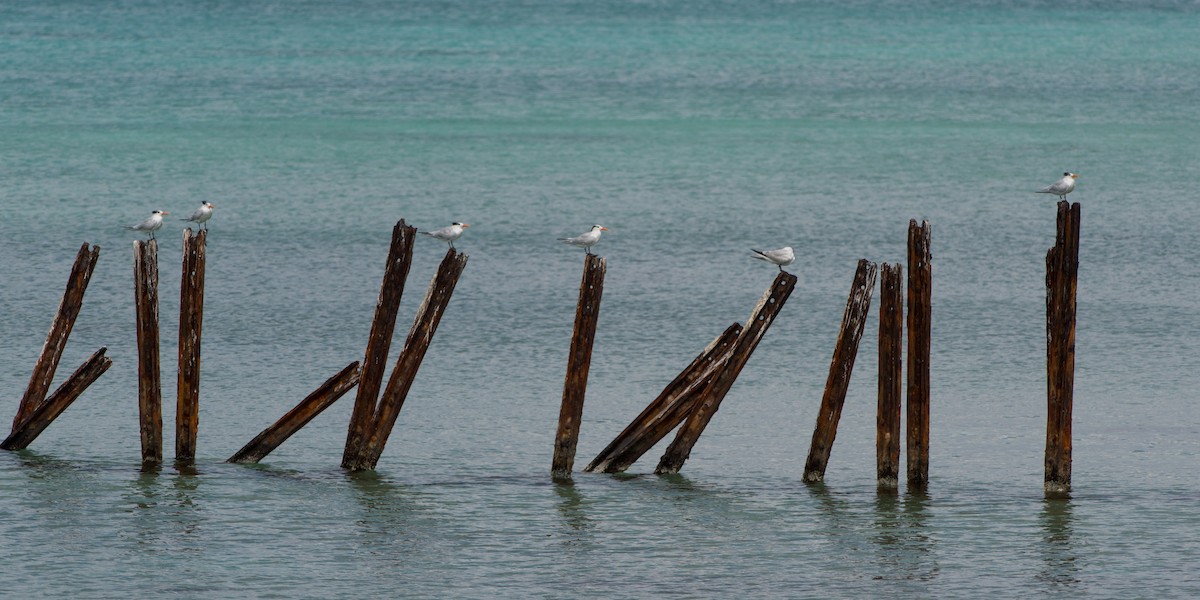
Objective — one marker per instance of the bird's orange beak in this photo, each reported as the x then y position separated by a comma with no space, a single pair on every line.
165,213
1074,175
466,225
603,229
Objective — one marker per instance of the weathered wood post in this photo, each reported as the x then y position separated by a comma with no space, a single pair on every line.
1062,273
920,288
145,300
760,320
291,422
56,403
579,359
191,318
891,361
60,330
854,320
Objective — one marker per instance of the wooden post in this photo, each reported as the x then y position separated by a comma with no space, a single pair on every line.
891,361
669,409
375,361
854,320
191,317
54,405
60,330
920,288
323,397
587,315
1062,273
760,320
145,300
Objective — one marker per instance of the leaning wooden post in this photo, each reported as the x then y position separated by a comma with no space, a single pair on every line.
760,320
920,287
145,300
1062,273
60,330
587,315
891,361
323,397
191,317
854,320
57,402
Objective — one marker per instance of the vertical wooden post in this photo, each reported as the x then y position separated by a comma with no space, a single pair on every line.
145,300
891,357
60,330
191,317
587,315
1062,272
854,320
54,405
760,320
375,361
920,288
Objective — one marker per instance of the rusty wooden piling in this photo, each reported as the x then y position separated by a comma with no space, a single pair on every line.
60,330
291,422
669,409
145,300
191,318
891,362
579,358
854,321
1062,272
920,289
760,320
56,403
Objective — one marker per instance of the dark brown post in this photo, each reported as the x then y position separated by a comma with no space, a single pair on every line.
375,361
323,397
191,317
757,324
587,315
53,406
60,330
145,300
920,288
1062,272
891,361
854,320
669,409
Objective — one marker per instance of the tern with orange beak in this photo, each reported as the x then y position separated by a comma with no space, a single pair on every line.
1062,187
448,234
587,240
151,224
202,214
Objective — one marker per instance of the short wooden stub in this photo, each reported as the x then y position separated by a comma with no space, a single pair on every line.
669,409
291,422
379,343
57,402
145,299
579,359
891,361
920,287
60,330
854,320
1062,272
756,326
191,318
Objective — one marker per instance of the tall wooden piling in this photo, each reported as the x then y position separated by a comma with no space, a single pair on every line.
145,300
854,320
60,330
1062,272
579,359
920,288
291,422
191,318
56,403
891,361
760,320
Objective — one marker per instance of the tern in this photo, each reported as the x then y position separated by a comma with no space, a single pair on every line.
448,234
1062,187
202,214
587,240
151,224
780,257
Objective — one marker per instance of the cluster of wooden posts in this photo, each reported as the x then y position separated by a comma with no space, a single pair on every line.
687,404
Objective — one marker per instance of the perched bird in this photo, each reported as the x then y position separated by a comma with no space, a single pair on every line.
202,214
151,224
781,257
587,240
448,234
1062,187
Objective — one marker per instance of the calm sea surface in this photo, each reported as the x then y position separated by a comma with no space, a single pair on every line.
694,131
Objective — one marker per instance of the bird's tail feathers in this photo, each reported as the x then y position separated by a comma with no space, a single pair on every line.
759,254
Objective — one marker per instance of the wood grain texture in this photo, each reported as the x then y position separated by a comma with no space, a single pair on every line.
920,286
579,359
191,321
891,363
145,297
56,403
1062,273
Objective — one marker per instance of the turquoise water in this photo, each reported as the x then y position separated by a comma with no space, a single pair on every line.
694,131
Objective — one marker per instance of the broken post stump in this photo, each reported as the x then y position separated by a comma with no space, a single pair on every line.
191,318
579,358
56,403
1062,273
891,361
920,288
145,300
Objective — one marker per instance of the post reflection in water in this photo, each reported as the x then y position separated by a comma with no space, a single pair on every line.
572,508
904,549
1060,564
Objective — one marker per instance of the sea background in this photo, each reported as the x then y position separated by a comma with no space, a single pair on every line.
694,131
